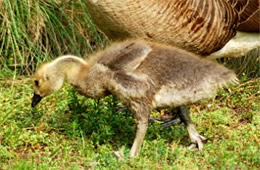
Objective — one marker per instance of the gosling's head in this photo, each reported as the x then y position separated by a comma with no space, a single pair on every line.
46,81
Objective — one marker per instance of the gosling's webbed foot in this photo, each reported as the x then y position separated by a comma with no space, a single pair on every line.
166,122
195,137
120,155
197,141
173,120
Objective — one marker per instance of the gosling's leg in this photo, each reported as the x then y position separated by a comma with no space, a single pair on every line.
142,111
142,125
140,133
195,137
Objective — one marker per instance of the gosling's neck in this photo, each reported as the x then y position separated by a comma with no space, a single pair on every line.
68,68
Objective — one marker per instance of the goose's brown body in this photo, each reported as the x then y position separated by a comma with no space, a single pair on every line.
249,15
200,26
143,75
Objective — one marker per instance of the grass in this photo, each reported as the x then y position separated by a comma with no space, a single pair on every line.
69,131
248,65
33,31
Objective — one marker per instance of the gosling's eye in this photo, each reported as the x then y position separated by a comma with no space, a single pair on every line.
36,82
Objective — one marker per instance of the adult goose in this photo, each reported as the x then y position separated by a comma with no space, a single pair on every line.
199,26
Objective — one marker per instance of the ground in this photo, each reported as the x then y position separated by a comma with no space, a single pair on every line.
69,131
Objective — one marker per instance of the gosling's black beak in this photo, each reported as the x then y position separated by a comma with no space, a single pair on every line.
36,99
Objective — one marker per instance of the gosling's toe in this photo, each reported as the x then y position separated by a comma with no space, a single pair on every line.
197,141
120,155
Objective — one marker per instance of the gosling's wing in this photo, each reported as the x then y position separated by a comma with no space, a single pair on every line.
125,56
128,85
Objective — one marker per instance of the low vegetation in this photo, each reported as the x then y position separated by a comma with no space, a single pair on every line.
69,131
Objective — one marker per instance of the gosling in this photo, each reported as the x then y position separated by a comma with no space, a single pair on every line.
143,75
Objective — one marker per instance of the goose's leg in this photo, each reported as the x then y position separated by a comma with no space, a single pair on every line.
195,137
